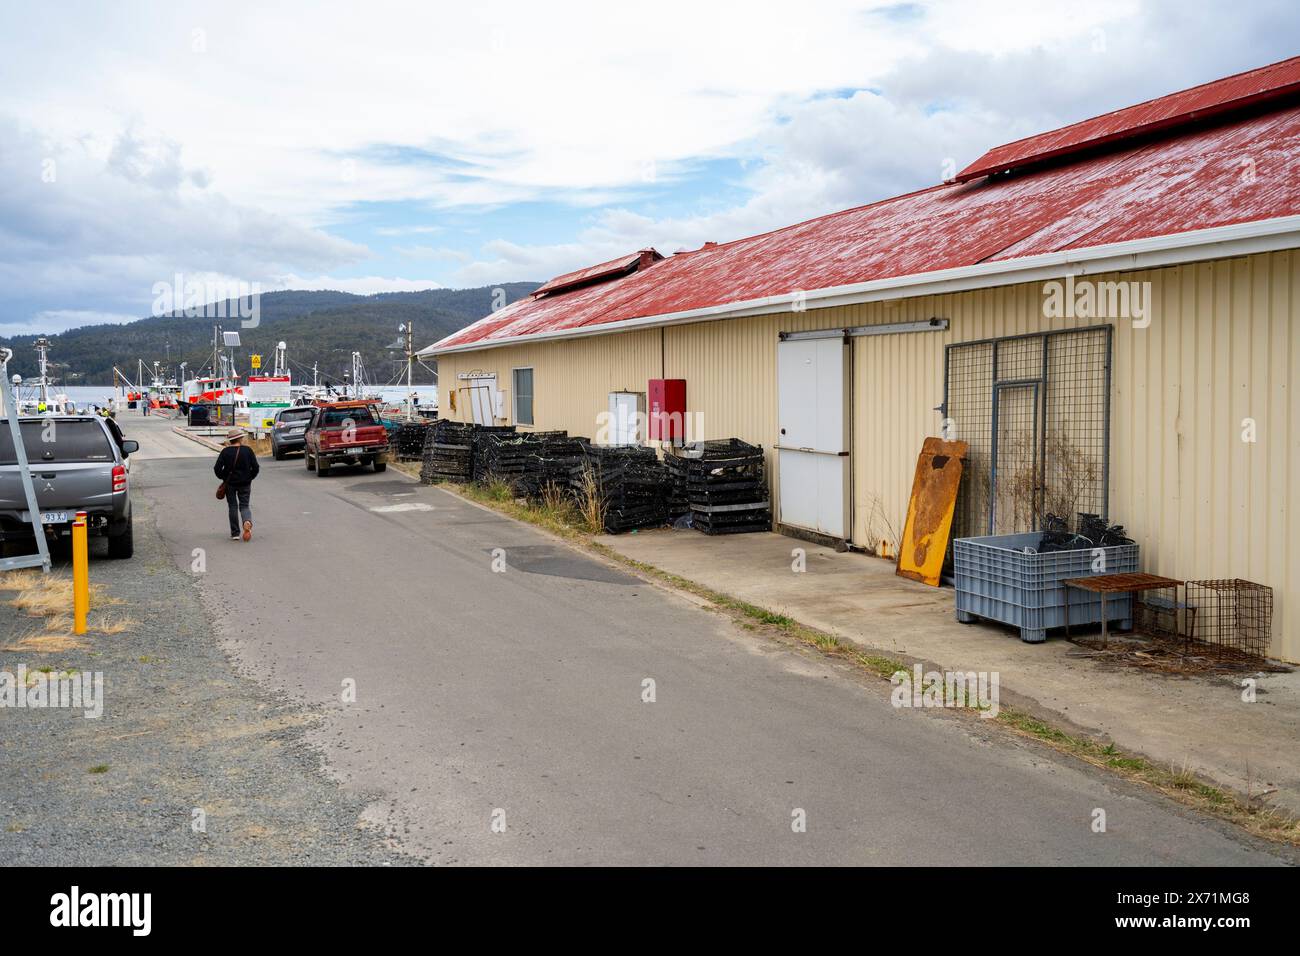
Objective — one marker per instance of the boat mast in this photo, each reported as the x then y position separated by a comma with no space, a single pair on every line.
358,374
409,329
42,346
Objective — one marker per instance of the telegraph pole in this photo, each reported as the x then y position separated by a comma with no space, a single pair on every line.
409,329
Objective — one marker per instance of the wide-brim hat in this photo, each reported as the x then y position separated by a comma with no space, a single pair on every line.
233,435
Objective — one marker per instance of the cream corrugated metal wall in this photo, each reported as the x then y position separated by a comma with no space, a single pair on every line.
1223,345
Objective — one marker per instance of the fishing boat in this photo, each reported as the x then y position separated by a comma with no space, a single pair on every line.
220,388
35,396
208,390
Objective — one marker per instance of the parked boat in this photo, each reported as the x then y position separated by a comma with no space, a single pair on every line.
211,390
35,396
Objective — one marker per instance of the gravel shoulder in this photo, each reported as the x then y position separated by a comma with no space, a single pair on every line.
181,732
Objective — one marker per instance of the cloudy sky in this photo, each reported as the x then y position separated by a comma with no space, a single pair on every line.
374,146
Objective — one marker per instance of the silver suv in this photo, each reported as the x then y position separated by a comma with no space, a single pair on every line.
290,431
78,463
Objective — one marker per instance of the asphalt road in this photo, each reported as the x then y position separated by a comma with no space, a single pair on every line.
485,697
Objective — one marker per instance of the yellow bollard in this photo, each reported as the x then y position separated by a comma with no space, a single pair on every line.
80,575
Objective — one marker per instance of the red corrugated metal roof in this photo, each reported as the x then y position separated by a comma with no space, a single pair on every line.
1239,171
600,271
1164,113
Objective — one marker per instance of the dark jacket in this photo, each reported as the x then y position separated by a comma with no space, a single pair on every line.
237,466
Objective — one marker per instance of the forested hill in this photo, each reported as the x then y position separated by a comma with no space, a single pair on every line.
322,327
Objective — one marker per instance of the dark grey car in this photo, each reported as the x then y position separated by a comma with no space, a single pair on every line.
78,463
290,430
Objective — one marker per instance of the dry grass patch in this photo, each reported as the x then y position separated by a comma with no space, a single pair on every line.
46,643
21,580
590,504
48,597
113,624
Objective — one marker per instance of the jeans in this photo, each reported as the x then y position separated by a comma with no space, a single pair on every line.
237,502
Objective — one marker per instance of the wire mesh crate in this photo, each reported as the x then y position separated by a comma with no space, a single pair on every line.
1230,617
1005,578
1156,612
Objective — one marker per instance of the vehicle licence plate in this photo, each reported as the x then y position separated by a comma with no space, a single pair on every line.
54,517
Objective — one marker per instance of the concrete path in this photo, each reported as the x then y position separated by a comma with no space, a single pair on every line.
485,697
1201,723
157,439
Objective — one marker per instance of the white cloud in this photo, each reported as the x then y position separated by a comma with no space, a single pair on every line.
302,107
229,138
433,253
94,228
974,85
363,285
60,320
407,230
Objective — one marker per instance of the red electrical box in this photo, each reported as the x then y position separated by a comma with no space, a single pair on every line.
667,411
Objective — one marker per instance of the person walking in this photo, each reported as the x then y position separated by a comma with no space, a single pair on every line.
237,467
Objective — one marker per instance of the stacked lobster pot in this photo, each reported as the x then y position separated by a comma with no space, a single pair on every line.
408,439
725,486
551,461
675,501
484,437
631,482
448,452
508,456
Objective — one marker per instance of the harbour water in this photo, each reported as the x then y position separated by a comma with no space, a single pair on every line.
102,394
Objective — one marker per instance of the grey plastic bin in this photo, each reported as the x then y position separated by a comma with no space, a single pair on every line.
999,581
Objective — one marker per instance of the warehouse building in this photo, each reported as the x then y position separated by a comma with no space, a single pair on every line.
1108,313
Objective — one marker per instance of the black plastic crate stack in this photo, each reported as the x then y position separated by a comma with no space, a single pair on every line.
506,456
448,452
632,484
725,487
551,461
675,501
484,435
408,440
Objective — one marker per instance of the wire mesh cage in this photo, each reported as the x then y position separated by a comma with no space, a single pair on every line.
1034,411
1155,614
1230,617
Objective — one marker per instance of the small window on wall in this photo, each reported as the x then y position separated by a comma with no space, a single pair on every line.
523,396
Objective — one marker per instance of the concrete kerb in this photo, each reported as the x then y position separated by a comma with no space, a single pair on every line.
204,440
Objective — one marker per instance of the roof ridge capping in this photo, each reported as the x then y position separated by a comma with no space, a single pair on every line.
601,272
1181,108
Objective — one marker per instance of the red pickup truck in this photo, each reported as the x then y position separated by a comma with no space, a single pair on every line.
345,433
